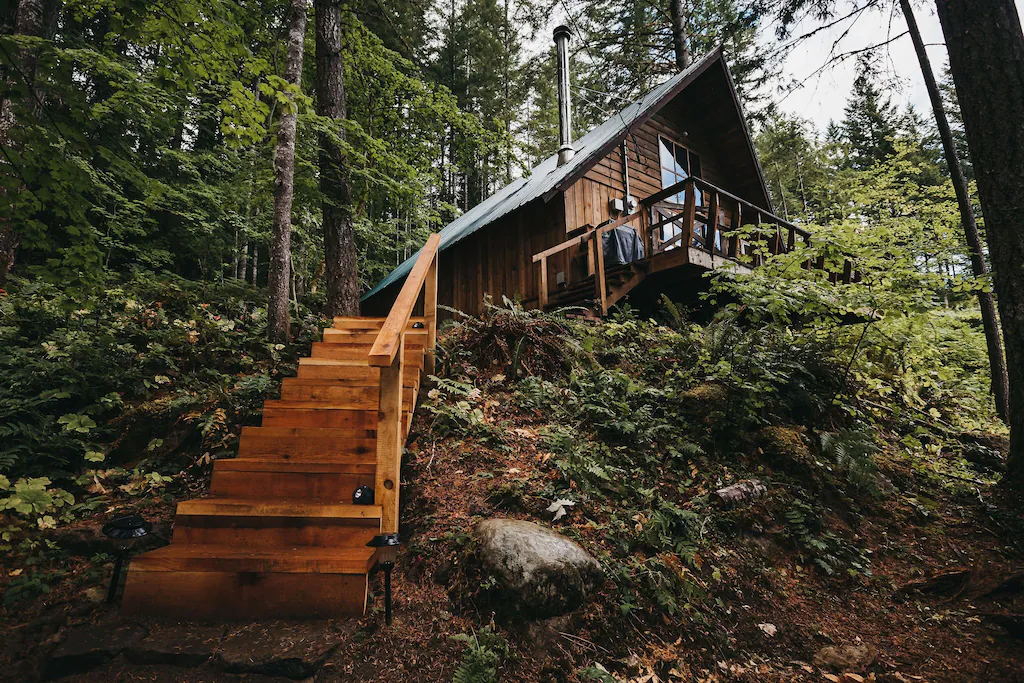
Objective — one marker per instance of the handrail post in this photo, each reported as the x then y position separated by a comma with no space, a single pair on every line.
430,316
689,214
602,290
712,219
542,296
390,438
645,235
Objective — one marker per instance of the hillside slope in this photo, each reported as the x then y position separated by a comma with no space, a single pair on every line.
881,535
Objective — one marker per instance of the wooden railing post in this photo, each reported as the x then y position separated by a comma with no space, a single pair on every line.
713,220
542,295
390,439
689,214
430,317
599,283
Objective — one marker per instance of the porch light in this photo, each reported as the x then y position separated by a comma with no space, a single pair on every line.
123,533
387,553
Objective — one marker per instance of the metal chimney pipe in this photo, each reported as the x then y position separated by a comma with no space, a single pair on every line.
565,148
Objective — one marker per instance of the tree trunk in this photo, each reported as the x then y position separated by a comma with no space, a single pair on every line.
986,58
679,38
339,237
996,362
279,274
30,20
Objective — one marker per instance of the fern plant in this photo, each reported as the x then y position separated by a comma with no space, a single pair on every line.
852,451
486,649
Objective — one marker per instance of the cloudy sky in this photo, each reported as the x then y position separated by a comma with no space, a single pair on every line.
822,97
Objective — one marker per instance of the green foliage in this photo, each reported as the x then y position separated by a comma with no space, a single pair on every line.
852,451
486,649
830,553
138,358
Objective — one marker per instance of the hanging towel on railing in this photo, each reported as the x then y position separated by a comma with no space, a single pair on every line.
621,246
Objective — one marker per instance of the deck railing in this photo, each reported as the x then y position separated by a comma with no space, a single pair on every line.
705,214
388,353
700,221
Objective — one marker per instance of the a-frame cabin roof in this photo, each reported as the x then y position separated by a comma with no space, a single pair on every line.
718,95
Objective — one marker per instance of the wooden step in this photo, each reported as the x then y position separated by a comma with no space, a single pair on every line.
354,446
218,583
359,398
316,481
352,373
358,322
240,507
204,558
298,418
412,337
258,523
361,352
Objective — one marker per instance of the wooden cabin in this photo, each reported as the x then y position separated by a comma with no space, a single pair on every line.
677,166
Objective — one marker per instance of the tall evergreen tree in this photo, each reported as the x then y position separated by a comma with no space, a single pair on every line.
870,121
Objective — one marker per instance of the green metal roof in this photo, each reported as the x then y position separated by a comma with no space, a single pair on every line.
547,177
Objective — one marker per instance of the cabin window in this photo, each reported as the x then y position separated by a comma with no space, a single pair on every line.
677,164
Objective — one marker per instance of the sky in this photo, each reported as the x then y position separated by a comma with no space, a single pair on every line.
822,97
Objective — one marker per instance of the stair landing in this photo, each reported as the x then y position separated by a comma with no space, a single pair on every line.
279,537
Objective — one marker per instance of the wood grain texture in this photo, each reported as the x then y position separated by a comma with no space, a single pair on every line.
245,595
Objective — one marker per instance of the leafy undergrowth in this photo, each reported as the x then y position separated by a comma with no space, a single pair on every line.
881,524
118,404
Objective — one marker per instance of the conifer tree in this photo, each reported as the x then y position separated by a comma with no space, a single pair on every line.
870,121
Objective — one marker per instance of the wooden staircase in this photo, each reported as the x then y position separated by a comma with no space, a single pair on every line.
619,280
279,536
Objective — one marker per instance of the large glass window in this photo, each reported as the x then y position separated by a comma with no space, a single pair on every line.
677,164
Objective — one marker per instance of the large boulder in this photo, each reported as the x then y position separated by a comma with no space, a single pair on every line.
538,570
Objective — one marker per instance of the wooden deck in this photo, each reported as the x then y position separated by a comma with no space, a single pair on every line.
700,232
279,536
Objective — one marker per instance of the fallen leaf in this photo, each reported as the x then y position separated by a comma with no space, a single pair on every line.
768,629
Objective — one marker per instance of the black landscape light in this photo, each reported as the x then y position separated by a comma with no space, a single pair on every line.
387,553
123,532
362,496
418,326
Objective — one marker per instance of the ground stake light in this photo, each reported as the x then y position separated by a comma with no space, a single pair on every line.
387,553
123,532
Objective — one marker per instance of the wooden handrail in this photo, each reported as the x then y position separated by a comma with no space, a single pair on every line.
388,353
389,338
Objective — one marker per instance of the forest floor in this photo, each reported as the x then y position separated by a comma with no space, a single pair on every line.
941,568
940,596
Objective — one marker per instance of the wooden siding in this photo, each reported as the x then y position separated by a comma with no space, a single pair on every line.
498,260
587,200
